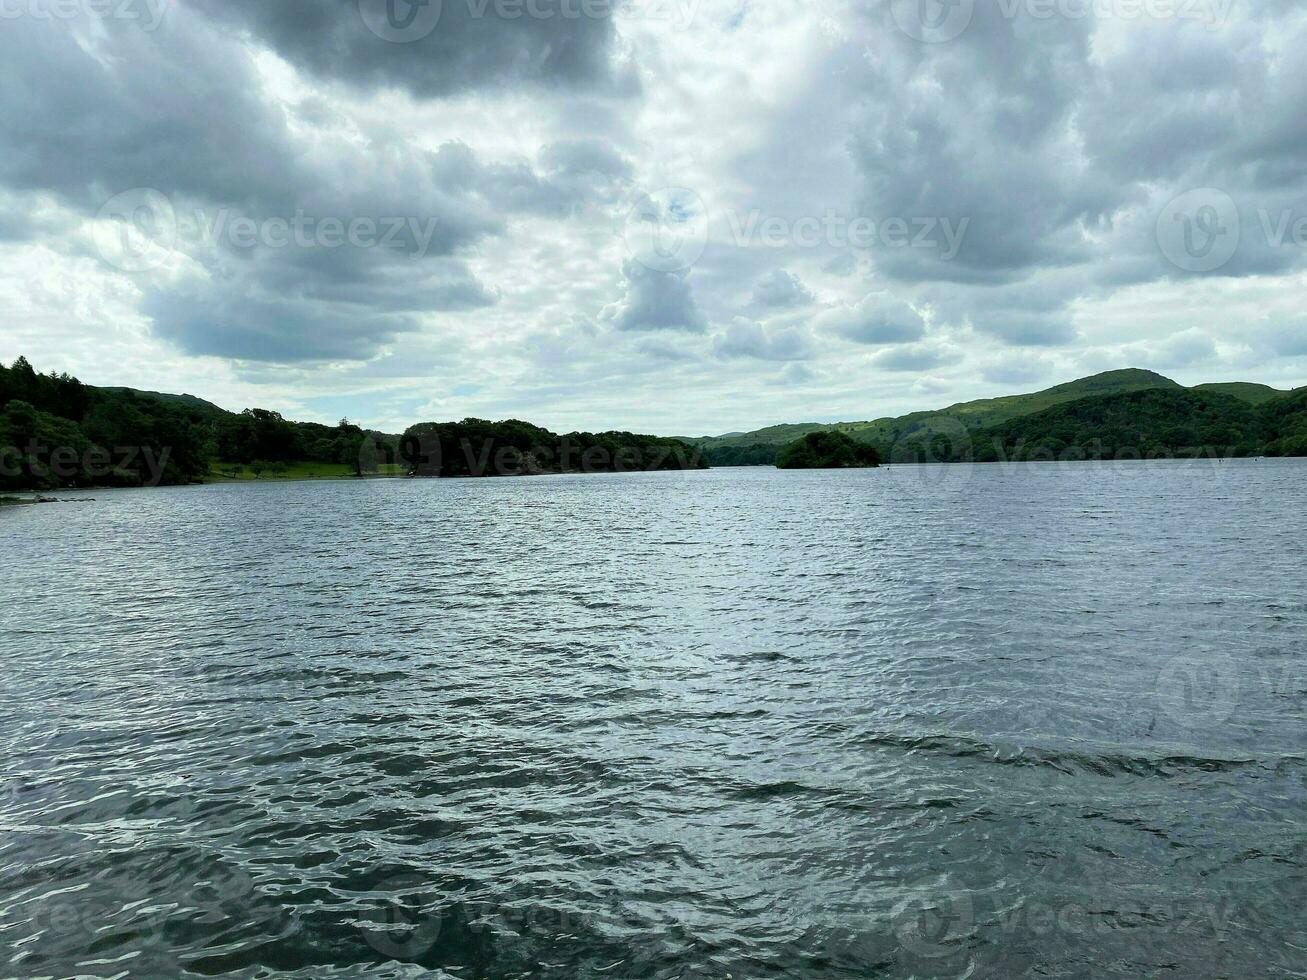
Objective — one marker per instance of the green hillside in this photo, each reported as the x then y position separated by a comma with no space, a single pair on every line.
182,401
1152,423
57,432
971,415
1253,394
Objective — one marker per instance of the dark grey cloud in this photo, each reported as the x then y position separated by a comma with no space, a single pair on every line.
252,328
794,374
981,129
586,157
511,151
89,111
471,45
178,109
1063,139
655,300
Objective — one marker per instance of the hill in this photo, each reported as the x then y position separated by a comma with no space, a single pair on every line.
751,447
57,432
971,415
185,401
1152,423
1253,394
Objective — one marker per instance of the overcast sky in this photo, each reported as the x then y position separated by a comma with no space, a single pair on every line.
665,215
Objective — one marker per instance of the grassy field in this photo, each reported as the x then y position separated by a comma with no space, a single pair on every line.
1253,394
244,472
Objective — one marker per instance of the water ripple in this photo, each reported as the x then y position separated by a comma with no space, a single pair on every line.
1004,721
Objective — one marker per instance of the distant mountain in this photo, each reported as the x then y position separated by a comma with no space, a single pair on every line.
972,415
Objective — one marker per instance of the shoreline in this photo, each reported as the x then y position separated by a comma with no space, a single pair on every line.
15,498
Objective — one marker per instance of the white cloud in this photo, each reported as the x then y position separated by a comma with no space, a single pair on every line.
1059,142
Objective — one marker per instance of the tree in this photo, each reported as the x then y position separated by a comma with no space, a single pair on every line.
827,450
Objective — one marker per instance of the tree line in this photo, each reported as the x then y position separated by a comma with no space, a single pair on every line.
477,447
1144,424
57,432
1157,423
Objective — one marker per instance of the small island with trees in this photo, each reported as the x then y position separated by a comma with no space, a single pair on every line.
827,451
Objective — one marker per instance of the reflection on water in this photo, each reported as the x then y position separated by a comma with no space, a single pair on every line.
992,721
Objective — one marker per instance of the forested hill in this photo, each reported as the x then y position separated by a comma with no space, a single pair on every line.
57,432
1154,423
973,415
902,437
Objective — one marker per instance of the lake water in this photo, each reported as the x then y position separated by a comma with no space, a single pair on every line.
996,721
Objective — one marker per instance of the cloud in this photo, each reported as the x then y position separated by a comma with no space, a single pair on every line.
1284,339
747,338
1024,329
181,115
1085,156
780,290
1016,370
1180,350
876,319
794,375
914,357
655,300
450,47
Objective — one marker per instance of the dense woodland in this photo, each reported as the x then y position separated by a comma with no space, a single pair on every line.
758,454
475,447
56,432
1156,423
826,451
